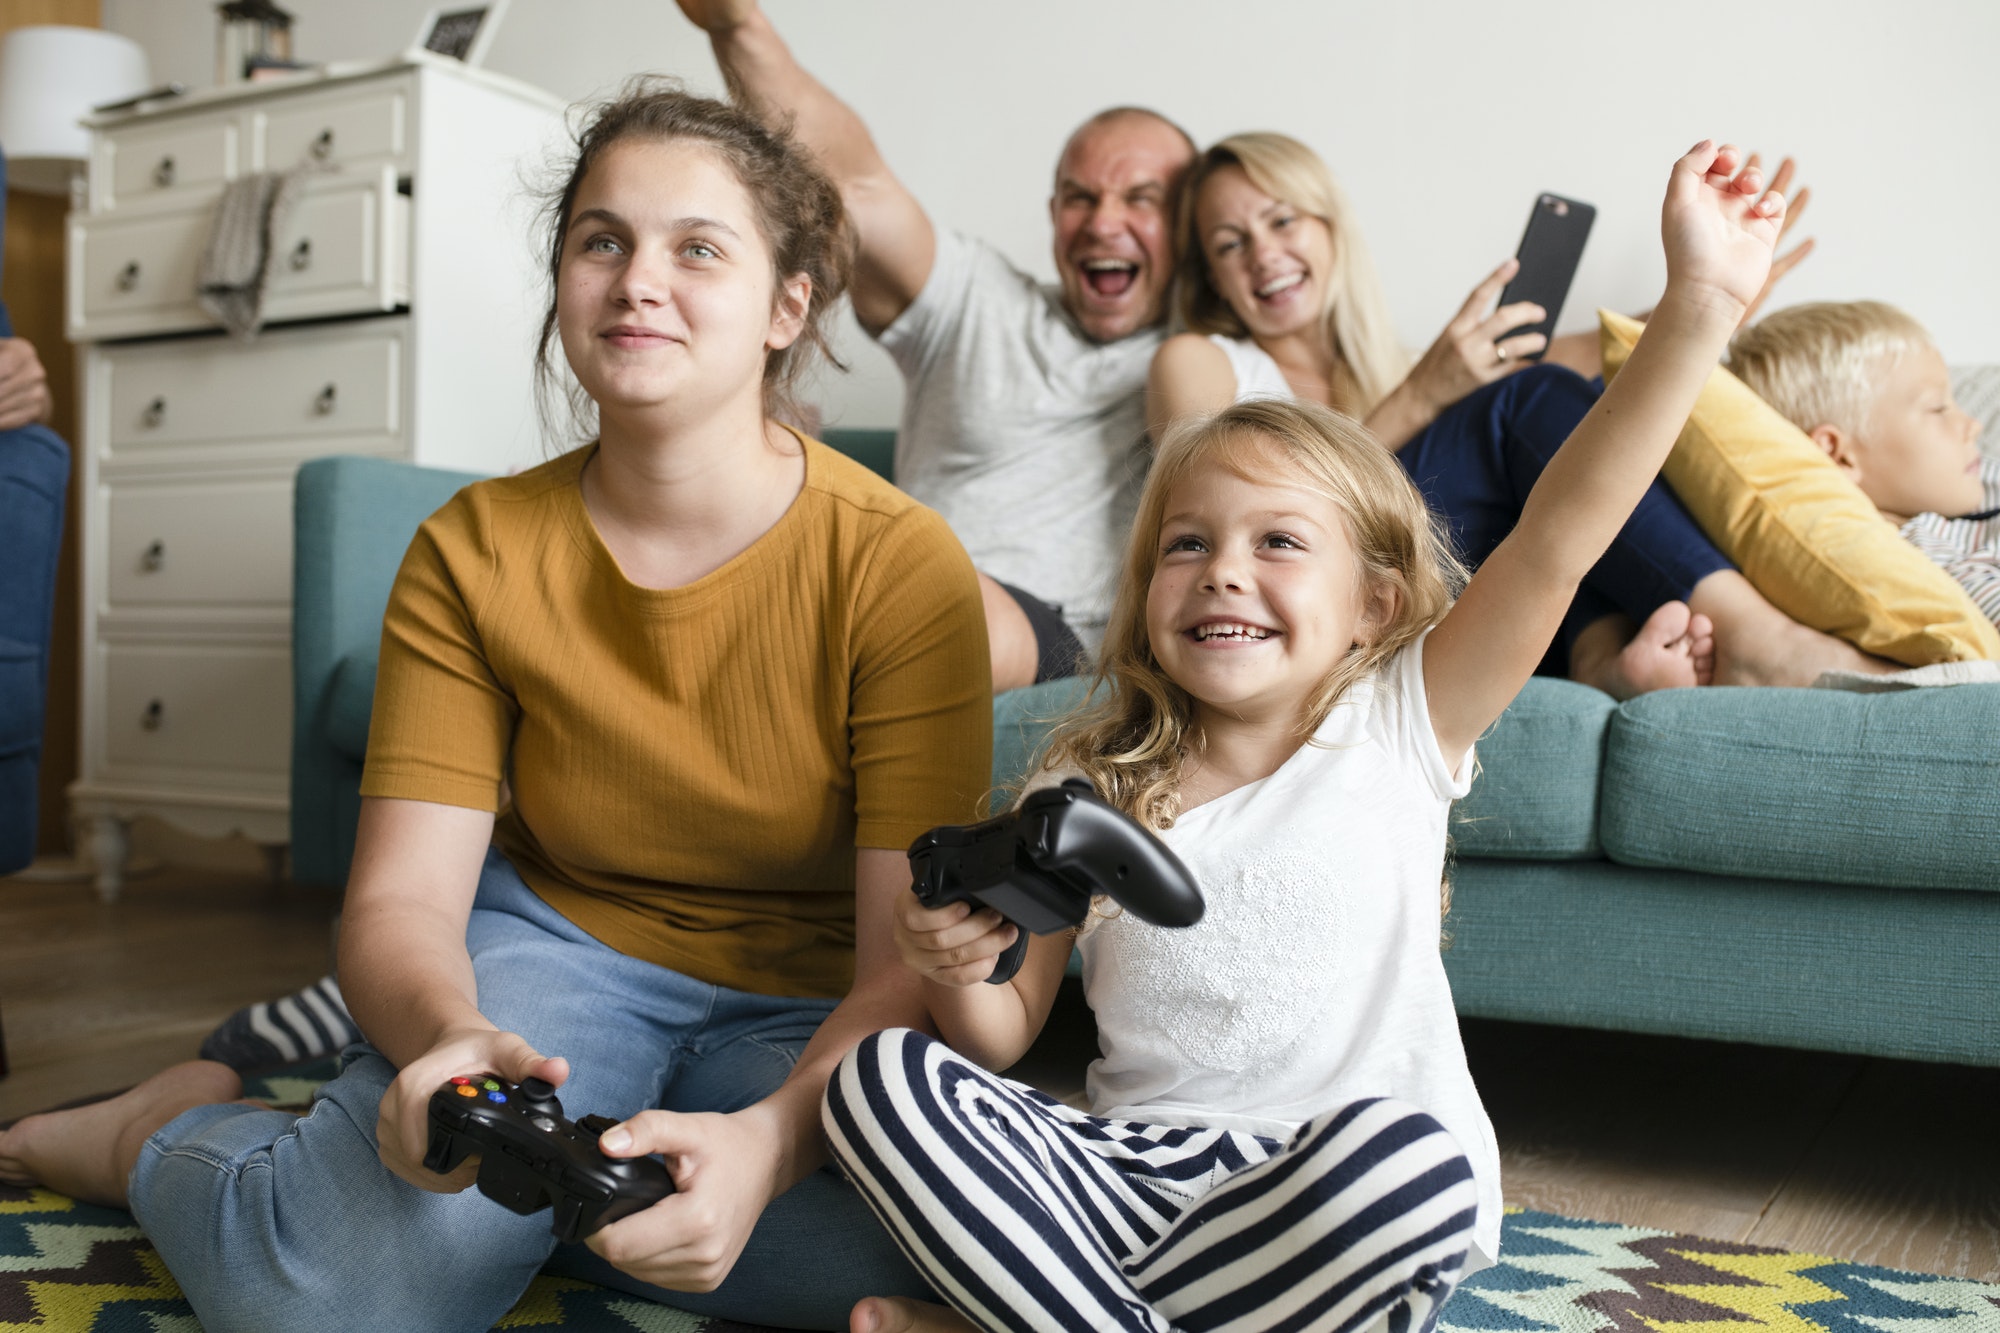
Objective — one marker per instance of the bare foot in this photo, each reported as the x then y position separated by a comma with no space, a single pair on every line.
1673,650
1757,644
87,1153
893,1314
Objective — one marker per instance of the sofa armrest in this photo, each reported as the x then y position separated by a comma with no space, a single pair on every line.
353,519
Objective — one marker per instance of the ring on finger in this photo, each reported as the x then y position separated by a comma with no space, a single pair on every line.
1499,353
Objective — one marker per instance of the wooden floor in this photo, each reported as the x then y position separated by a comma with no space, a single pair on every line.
1880,1161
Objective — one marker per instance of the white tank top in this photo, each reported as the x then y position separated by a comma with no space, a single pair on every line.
1257,375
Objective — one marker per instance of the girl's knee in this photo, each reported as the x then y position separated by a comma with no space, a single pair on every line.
873,1066
1413,1160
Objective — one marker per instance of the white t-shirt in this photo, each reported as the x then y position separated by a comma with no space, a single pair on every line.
1314,977
1257,374
1026,435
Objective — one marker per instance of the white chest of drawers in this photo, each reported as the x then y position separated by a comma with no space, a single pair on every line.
401,315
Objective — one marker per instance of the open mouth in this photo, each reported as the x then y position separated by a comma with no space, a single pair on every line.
1109,277
1228,631
1278,287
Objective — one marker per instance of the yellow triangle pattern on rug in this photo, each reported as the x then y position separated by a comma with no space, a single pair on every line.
1563,1275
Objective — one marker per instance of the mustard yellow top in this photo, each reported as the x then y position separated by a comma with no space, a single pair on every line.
691,769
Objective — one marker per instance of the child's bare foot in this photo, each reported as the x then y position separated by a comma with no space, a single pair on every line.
893,1314
1673,650
88,1152
1757,644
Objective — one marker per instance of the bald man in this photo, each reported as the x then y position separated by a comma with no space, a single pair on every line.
1022,422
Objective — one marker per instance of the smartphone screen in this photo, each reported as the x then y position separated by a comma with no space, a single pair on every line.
1551,248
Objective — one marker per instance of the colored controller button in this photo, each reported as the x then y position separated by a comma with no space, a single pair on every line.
490,1086
496,1096
464,1091
461,1080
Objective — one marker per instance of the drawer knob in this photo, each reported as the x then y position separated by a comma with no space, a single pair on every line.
322,146
302,255
155,414
154,716
155,557
163,172
128,277
326,400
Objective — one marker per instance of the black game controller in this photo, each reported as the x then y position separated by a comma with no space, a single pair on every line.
531,1158
1040,865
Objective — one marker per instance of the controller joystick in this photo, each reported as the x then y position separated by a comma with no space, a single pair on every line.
531,1157
540,1096
1040,865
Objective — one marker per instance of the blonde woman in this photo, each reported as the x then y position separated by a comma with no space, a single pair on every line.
1281,300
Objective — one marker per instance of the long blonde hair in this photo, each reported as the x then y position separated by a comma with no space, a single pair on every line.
1135,730
1358,327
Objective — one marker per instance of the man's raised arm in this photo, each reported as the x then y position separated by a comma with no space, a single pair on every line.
897,243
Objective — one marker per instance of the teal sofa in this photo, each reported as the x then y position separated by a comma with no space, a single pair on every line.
1794,867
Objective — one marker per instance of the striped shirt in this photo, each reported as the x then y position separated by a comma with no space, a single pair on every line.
1967,548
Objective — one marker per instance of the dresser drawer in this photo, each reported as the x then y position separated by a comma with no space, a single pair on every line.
307,384
366,125
343,249
135,274
156,161
197,707
205,544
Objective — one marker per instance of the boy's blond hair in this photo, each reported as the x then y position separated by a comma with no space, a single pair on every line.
1133,733
1821,364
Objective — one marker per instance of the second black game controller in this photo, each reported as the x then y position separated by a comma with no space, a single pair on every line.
1041,864
531,1157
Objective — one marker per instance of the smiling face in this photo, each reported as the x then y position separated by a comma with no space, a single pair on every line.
1919,451
1258,593
1271,261
665,298
1113,215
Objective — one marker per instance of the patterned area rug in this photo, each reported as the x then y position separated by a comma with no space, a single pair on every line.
67,1267
1561,1275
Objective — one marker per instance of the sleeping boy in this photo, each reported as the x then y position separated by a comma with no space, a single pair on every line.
1866,383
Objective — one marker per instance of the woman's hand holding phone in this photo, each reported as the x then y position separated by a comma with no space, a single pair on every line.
1474,348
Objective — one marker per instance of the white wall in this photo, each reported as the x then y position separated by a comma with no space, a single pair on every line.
1442,120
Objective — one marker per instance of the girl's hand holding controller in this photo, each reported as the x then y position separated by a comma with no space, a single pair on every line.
402,1125
953,945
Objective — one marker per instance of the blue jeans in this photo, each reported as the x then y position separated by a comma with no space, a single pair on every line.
270,1220
1477,462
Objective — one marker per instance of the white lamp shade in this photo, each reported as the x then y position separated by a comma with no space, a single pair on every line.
50,78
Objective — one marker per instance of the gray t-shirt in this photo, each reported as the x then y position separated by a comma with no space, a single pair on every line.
1027,436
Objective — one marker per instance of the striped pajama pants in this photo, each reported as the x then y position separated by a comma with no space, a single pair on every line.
1025,1214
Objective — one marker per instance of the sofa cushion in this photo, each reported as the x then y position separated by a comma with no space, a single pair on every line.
1535,796
1021,722
872,447
1900,789
350,702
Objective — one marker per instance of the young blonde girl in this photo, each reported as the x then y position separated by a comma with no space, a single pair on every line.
1282,1131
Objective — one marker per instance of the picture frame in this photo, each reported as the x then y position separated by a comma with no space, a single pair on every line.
460,31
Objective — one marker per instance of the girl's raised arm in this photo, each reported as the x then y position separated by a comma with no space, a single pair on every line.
1719,234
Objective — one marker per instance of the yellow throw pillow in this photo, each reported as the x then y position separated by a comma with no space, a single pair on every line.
1802,532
